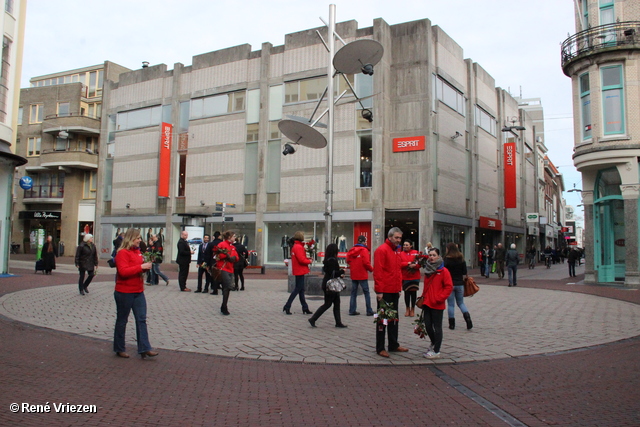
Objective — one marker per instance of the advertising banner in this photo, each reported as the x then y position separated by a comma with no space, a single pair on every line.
195,239
510,198
164,164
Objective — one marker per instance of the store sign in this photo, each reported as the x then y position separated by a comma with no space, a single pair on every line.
533,217
412,143
164,166
549,231
490,223
510,181
619,242
533,231
39,215
26,183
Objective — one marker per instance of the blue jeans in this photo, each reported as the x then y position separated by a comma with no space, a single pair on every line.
155,272
124,304
513,270
487,268
298,290
456,297
354,296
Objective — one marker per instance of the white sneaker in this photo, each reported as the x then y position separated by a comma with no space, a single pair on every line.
432,355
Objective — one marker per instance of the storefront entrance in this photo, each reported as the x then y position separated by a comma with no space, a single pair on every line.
609,228
407,221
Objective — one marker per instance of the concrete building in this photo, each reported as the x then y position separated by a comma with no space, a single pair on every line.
448,156
59,133
12,29
602,59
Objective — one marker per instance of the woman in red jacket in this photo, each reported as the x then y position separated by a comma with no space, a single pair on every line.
299,268
129,295
410,277
437,287
226,256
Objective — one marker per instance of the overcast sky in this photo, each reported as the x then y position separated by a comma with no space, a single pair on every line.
517,42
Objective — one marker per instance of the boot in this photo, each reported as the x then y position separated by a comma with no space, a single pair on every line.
452,323
467,318
407,312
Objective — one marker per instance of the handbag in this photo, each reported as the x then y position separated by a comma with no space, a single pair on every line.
336,285
470,287
420,302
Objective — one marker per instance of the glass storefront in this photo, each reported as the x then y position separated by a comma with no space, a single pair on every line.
445,233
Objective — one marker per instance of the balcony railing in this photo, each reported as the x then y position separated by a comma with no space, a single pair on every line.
620,34
44,192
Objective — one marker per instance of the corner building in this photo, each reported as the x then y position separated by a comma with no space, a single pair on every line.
432,162
603,61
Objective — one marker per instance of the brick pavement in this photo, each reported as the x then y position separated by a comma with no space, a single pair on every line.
593,386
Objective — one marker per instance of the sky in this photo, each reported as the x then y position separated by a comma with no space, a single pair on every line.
517,42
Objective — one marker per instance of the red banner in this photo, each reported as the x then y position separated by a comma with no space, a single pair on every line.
164,165
510,180
490,223
412,143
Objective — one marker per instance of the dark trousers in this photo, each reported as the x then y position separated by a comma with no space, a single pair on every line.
330,298
82,283
500,268
207,282
227,285
238,274
183,274
410,298
433,323
124,304
391,329
572,268
298,290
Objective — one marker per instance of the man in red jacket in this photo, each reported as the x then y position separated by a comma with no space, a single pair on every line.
387,276
359,261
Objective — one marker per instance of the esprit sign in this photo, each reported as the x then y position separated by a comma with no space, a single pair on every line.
412,143
490,223
510,180
164,165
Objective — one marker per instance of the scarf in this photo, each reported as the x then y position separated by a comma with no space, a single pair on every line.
432,267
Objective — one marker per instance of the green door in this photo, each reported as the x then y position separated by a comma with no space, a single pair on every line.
609,240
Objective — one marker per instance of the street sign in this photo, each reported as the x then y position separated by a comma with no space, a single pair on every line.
228,219
216,214
219,206
230,205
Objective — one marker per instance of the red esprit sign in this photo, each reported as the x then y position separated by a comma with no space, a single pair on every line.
412,143
510,175
164,165
490,223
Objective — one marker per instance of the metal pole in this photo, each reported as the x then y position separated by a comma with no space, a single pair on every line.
330,99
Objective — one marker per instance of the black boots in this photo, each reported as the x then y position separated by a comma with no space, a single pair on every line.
467,318
452,323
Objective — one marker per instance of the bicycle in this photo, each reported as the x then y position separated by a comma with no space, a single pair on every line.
547,261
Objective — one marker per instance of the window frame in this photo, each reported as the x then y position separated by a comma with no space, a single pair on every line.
617,87
34,146
39,113
583,95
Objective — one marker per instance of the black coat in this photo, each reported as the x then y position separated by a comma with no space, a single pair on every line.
201,253
184,252
331,270
243,255
49,257
86,256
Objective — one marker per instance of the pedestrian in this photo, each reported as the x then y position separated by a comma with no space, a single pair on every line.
203,269
457,266
87,262
437,288
129,295
332,270
155,267
209,259
226,256
499,253
359,262
487,260
572,257
480,261
531,256
300,268
49,255
183,259
410,277
512,259
387,277
428,247
240,265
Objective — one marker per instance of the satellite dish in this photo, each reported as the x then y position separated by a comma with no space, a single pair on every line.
63,134
352,57
306,121
301,133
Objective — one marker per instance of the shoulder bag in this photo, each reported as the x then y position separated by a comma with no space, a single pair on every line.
336,284
470,287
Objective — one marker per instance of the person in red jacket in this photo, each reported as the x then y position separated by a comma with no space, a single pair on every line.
129,295
226,256
410,277
359,261
437,288
388,284
299,268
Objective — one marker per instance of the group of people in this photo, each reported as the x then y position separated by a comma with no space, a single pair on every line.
395,270
499,258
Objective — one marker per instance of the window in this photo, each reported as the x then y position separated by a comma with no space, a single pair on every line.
61,144
8,6
449,95
90,145
366,154
91,109
485,121
252,132
33,147
95,84
274,154
63,109
35,113
218,105
585,14
275,102
20,113
90,178
612,100
143,117
607,16
251,168
312,89
253,106
4,79
182,175
364,88
585,106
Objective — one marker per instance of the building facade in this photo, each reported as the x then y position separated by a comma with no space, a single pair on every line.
448,157
59,132
602,59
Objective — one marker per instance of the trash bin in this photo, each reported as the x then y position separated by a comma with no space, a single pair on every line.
253,258
60,248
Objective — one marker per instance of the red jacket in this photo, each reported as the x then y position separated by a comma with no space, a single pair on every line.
299,261
406,259
223,263
359,261
437,288
386,269
129,271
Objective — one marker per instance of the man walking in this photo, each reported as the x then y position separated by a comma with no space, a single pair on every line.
388,284
512,259
202,265
183,259
359,261
487,260
499,258
572,257
210,259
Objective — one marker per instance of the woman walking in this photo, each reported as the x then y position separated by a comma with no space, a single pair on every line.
226,256
49,255
155,268
457,266
331,270
410,277
129,295
87,262
437,287
300,268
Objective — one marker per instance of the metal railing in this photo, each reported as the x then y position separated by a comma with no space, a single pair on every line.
44,192
620,34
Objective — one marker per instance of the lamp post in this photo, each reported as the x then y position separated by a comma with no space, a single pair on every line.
328,211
